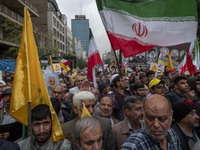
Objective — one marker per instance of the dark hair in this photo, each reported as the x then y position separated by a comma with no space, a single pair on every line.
178,78
136,86
117,78
40,112
105,96
132,99
142,75
150,73
56,105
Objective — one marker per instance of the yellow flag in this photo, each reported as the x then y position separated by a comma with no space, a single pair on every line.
28,84
51,64
170,66
85,112
74,75
66,68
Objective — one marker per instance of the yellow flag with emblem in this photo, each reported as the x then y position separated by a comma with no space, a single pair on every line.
28,84
85,112
66,68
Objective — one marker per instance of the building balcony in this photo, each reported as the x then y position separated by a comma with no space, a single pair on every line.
18,7
7,13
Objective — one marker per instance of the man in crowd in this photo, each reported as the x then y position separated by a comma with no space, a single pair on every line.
180,89
76,89
88,99
88,134
143,78
118,96
132,122
42,131
186,121
150,75
66,107
7,145
156,134
106,109
138,89
156,86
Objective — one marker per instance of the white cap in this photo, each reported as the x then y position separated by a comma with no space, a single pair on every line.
2,82
113,77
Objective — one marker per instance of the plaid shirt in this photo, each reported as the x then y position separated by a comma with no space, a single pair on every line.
143,141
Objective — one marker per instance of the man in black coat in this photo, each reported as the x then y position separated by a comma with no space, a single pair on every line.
186,120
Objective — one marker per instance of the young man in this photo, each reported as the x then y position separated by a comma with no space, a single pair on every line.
42,131
156,86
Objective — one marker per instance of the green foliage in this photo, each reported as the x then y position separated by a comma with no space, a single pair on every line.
81,63
47,49
12,31
107,61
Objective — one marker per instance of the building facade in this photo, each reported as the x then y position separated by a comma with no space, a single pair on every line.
11,14
53,24
80,30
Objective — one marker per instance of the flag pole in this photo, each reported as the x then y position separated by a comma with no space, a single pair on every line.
117,62
30,125
28,74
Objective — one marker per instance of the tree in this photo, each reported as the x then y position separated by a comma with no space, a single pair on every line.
12,33
81,63
46,48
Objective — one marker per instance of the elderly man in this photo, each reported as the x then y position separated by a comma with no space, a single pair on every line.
51,82
42,127
131,123
88,134
186,121
66,107
106,107
76,89
88,99
156,134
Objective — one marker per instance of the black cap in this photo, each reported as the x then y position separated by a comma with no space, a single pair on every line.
181,109
7,91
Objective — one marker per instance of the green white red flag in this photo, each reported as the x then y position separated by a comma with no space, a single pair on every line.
137,26
190,61
93,59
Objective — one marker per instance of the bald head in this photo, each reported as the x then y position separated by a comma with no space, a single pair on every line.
157,116
156,101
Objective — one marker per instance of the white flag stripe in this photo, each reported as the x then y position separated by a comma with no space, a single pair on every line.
172,31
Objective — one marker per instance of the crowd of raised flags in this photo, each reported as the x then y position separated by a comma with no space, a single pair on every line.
133,31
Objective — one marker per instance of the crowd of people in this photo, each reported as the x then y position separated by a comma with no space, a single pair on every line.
142,110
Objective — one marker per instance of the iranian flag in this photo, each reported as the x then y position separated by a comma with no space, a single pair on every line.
93,59
193,57
190,61
136,26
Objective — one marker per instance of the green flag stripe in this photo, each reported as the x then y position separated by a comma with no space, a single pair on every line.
91,35
154,8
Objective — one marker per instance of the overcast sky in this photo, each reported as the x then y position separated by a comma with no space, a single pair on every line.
73,7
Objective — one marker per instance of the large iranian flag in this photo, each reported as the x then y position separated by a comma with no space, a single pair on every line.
93,59
136,26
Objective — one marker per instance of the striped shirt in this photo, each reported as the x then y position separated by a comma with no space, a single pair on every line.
143,141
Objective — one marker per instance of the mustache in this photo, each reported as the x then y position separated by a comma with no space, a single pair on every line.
44,133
